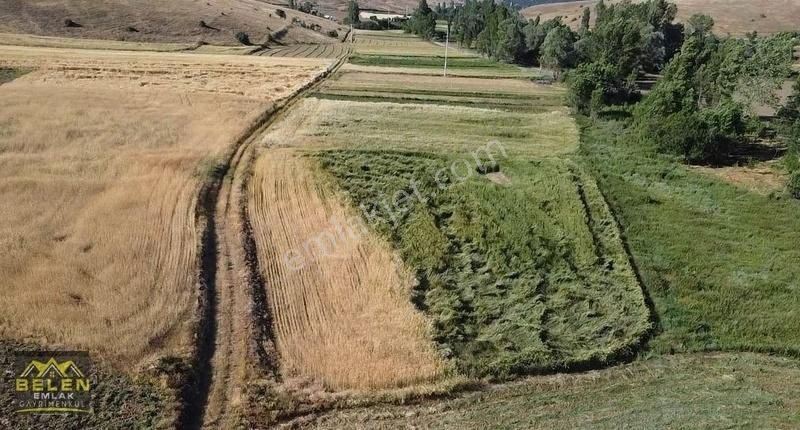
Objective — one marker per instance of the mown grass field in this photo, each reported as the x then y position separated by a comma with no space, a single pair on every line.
522,276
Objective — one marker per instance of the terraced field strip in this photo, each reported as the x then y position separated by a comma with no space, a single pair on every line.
515,94
395,42
464,72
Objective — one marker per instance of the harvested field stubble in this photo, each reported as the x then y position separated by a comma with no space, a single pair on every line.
97,234
340,298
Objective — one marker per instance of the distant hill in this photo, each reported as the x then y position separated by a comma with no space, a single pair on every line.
338,8
162,20
731,16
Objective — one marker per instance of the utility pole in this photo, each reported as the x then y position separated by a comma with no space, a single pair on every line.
446,46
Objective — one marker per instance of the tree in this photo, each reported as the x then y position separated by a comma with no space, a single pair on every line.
423,21
590,84
511,46
353,13
557,49
699,25
535,33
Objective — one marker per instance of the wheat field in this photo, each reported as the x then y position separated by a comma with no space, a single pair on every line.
339,298
101,158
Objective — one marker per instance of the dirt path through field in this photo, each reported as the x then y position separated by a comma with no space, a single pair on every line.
235,343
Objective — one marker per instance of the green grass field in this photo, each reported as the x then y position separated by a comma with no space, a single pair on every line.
719,261
702,391
520,277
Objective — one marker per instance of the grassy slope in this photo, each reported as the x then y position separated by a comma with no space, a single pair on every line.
684,391
719,262
159,21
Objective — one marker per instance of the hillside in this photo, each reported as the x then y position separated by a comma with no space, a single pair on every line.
730,16
163,21
338,8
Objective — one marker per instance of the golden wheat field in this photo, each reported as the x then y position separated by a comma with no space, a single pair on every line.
102,154
339,297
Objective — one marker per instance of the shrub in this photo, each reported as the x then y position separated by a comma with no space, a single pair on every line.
333,33
243,38
280,13
793,187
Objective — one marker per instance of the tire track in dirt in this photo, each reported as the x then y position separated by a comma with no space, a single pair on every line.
234,340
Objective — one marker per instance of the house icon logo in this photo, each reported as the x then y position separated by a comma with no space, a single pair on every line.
52,382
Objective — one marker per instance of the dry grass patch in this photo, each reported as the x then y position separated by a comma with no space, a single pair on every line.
762,179
340,299
174,21
99,177
318,123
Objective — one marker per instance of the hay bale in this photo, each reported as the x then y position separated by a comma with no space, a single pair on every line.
488,167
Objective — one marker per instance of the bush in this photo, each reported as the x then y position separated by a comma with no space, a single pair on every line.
243,38
333,33
368,25
280,13
793,187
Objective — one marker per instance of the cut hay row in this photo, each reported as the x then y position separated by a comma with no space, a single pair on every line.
97,234
339,299
522,271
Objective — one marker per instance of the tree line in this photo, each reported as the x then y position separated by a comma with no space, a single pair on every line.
700,106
